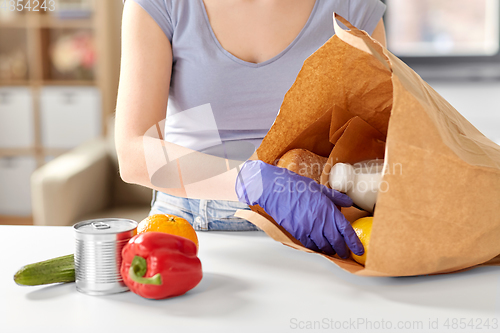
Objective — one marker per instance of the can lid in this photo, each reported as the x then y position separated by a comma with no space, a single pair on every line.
105,226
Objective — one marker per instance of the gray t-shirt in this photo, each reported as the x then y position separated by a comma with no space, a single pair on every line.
242,98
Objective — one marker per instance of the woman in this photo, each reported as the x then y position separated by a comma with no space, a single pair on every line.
223,64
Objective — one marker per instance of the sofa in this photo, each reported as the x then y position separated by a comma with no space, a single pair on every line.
83,184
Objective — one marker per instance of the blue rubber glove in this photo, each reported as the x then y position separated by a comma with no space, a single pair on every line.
303,207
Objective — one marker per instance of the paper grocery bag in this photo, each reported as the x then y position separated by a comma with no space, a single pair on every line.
353,100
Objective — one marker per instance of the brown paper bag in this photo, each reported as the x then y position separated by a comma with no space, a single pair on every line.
353,100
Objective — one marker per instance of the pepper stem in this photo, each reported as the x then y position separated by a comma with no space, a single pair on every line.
138,269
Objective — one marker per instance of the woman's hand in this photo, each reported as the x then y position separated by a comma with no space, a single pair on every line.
306,209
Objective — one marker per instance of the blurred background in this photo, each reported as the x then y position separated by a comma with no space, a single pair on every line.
59,68
455,46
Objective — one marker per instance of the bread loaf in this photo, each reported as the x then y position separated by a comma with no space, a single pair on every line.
303,162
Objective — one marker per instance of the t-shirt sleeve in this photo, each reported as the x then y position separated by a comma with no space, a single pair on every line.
161,12
365,14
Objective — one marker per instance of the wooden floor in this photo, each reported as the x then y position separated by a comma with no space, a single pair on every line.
15,220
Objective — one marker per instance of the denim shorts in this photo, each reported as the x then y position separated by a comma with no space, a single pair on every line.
202,214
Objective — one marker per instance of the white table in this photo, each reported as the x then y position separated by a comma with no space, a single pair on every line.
250,284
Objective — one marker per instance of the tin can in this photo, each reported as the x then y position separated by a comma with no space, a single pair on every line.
98,254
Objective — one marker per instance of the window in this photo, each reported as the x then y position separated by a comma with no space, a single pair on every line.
446,38
443,27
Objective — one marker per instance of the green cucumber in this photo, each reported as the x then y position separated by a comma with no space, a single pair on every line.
60,269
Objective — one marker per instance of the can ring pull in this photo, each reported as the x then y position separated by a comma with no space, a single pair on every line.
100,225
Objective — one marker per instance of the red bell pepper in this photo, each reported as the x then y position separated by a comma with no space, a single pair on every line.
158,265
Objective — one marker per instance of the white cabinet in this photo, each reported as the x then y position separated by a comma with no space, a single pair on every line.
69,116
15,174
16,118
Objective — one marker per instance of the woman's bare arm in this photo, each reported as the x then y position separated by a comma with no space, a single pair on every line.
146,67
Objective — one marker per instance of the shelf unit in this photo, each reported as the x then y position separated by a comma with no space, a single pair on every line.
33,30
104,23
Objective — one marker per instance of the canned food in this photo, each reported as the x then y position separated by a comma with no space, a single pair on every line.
98,254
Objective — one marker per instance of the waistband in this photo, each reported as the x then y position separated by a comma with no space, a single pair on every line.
202,211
